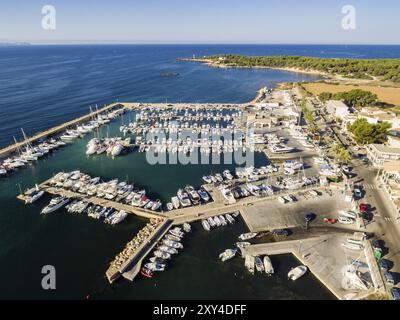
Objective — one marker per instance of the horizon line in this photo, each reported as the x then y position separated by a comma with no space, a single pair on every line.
34,43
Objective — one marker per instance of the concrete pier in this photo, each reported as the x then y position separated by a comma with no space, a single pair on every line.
57,129
131,267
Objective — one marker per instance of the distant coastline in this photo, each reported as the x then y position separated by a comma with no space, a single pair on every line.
14,44
296,63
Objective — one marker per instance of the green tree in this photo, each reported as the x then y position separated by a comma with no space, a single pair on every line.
366,133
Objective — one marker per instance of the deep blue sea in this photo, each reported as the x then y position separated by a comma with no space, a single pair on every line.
41,86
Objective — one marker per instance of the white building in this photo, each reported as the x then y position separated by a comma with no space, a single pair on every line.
338,108
378,154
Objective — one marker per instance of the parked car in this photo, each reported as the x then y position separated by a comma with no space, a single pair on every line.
376,245
395,293
330,221
363,208
384,264
357,193
309,217
388,278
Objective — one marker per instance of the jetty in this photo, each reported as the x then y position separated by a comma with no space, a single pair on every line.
325,258
131,267
57,129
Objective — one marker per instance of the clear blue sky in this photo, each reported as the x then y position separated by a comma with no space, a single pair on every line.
201,21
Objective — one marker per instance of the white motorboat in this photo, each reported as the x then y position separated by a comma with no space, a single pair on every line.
155,266
184,198
249,263
206,225
33,195
175,202
269,269
173,244
117,149
259,264
55,204
162,254
227,254
297,272
170,206
204,195
230,219
186,227
167,249
247,236
243,244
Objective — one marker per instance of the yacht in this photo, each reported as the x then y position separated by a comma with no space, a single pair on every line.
227,254
186,227
269,269
217,221
118,217
147,272
193,195
211,222
177,233
172,237
242,244
55,204
173,244
278,149
230,219
227,175
117,149
175,202
33,195
183,198
167,249
3,170
223,220
206,225
170,206
153,266
156,205
207,179
247,236
259,264
249,263
204,195
227,194
297,272
162,254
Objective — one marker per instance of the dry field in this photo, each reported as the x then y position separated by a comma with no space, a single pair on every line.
385,94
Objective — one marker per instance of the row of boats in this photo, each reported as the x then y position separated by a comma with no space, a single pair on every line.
29,152
109,215
136,243
218,221
249,173
256,263
114,190
169,246
112,146
188,196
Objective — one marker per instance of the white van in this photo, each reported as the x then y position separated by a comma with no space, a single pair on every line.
348,214
345,220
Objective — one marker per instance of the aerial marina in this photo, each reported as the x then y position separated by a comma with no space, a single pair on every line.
296,171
